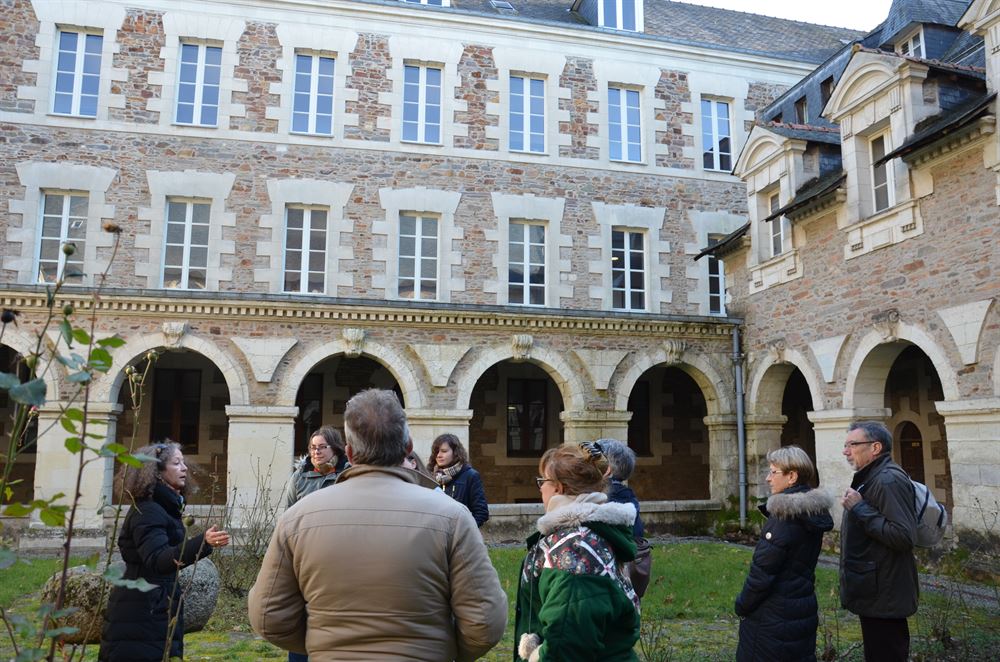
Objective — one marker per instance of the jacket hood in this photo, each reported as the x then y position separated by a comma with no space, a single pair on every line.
303,464
612,521
800,502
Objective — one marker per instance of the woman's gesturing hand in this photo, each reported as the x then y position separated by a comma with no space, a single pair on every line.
216,537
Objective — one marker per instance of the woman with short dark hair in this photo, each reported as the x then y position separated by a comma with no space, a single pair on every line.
449,463
153,545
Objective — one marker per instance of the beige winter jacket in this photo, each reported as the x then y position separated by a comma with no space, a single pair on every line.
390,570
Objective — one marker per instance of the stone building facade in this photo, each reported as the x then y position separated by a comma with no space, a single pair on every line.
492,212
867,275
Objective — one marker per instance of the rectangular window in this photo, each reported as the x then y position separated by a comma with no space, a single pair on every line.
802,111
64,221
305,249
527,114
526,415
312,108
628,270
716,281
620,14
185,251
779,226
418,257
881,175
422,104
526,269
198,84
624,125
914,46
716,135
78,74
176,407
826,90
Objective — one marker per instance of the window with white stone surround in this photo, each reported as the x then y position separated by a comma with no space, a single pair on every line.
64,221
527,113
312,105
628,269
716,281
716,134
779,228
627,113
199,76
305,249
63,202
78,73
418,256
526,271
624,124
632,269
422,103
185,251
881,175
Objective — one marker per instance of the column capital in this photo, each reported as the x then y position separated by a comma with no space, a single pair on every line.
587,417
462,416
986,407
261,414
832,418
765,421
720,420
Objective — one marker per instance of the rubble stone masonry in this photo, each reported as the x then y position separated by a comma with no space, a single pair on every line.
475,68
258,52
140,38
370,65
18,27
578,78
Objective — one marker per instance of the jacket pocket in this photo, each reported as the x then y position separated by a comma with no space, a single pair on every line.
860,579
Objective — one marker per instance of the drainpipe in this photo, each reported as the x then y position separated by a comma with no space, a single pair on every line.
740,426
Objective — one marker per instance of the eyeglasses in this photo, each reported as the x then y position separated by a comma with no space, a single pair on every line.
316,449
541,481
857,443
775,472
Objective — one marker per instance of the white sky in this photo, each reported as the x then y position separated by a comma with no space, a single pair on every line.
858,14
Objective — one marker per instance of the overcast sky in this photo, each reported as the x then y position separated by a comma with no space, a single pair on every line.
858,14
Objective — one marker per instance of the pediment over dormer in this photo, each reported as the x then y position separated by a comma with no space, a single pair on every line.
979,14
867,74
761,147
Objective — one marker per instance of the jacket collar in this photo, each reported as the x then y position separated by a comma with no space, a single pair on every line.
875,466
586,508
372,470
171,501
798,501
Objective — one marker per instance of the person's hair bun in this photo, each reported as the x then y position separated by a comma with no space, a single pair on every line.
594,450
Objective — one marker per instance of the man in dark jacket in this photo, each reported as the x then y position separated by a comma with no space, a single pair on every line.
878,574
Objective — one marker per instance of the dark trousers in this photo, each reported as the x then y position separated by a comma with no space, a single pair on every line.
297,657
886,639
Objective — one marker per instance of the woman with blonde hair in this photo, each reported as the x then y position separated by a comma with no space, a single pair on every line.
153,545
777,607
574,601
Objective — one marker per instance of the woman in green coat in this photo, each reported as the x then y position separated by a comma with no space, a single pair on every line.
574,602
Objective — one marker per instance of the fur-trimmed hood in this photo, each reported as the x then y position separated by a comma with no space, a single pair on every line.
800,502
587,508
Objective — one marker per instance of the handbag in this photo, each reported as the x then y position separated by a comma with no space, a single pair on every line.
641,568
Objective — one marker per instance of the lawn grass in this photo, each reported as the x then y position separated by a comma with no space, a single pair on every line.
687,613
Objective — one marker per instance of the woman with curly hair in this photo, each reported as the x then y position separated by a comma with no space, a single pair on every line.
327,459
140,625
449,463
574,600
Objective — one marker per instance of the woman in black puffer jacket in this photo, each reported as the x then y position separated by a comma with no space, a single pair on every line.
777,607
449,464
137,624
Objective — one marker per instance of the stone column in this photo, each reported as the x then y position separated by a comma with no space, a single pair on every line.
426,424
260,451
592,425
972,428
763,435
830,426
56,471
723,456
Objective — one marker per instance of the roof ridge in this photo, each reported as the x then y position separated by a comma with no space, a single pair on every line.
921,60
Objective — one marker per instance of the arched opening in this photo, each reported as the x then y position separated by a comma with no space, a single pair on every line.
921,445
515,418
667,427
325,390
183,398
796,403
21,479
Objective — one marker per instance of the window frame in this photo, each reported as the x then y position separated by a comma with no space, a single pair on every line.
716,280
802,111
626,254
430,3
618,18
621,132
420,219
80,54
779,227
885,170
912,45
186,245
526,287
523,447
529,118
65,220
198,105
710,122
313,95
423,104
305,249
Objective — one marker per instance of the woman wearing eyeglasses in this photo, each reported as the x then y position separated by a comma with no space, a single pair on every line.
777,607
139,625
574,601
326,460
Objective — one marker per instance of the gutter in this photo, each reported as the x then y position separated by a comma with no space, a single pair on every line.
741,441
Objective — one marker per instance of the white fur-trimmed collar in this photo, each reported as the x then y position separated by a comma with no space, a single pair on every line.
586,508
786,505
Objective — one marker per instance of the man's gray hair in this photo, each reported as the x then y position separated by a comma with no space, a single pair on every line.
375,428
874,431
620,458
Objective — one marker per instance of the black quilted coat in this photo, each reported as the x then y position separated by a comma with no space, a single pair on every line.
777,606
153,547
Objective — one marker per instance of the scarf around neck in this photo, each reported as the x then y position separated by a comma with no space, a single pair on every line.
445,475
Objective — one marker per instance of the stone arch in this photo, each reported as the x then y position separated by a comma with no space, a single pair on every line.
398,365
24,343
696,365
107,388
569,382
996,371
873,358
769,376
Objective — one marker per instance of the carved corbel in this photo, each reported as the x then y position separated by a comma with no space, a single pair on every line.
173,332
776,350
355,339
520,345
674,349
887,324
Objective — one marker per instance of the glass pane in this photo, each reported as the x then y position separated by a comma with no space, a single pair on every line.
294,216
515,273
537,276
428,268
293,260
293,282
537,255
198,256
407,225
201,213
515,294
171,277
536,234
173,256
428,247
407,246
293,239
406,288
49,250
517,252
317,284
196,279
199,235
213,56
317,260
53,204
67,41
406,266
538,296
51,226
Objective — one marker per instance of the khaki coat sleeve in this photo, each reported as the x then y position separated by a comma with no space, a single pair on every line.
478,602
276,607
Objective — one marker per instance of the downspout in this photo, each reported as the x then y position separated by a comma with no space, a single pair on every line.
740,425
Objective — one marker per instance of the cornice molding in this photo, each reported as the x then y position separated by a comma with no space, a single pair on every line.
966,138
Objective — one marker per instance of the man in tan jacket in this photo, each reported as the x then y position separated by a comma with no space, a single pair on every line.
378,567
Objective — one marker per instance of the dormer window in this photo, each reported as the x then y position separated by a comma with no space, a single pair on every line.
436,3
802,111
620,14
912,45
881,175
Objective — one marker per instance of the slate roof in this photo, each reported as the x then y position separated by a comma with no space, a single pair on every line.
943,124
684,24
904,13
725,244
811,191
968,50
820,134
